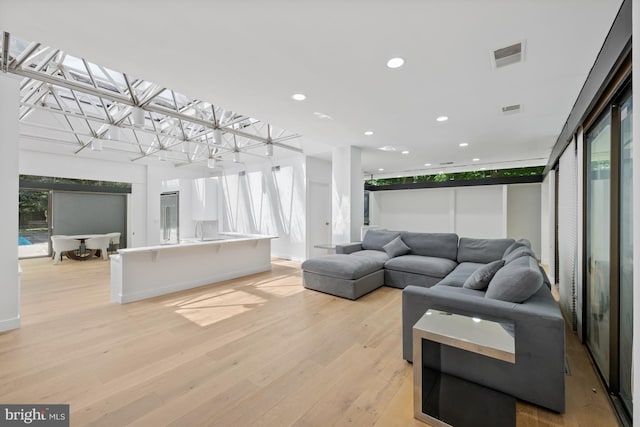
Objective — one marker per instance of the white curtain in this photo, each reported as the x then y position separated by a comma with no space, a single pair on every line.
567,231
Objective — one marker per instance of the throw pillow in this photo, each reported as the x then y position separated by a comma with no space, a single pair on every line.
515,282
480,278
396,247
376,239
517,253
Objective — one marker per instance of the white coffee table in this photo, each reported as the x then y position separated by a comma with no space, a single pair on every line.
441,399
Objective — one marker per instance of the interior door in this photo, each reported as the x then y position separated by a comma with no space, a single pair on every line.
319,218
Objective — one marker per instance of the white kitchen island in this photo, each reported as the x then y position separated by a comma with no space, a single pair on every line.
146,272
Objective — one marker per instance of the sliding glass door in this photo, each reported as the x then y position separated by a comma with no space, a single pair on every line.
609,246
626,251
598,241
33,214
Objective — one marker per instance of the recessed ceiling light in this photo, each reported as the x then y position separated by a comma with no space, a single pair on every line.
322,116
368,133
463,144
483,169
381,169
405,152
395,62
441,172
299,96
387,148
427,164
442,119
476,159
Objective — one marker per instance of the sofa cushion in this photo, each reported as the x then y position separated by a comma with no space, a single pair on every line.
482,250
460,274
417,264
376,255
516,281
342,266
376,239
480,278
440,245
460,290
396,247
515,245
517,253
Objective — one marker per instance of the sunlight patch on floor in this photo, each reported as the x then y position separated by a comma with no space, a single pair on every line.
280,290
214,307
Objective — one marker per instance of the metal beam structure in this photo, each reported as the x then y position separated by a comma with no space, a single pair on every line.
83,92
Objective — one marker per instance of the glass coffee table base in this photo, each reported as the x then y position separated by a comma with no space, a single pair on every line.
440,399
450,401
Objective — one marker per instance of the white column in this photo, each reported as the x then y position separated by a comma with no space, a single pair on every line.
347,194
9,278
635,7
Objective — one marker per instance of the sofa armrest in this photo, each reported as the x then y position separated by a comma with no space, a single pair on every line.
417,300
538,373
349,248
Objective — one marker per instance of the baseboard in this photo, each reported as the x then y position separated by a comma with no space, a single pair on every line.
137,296
9,324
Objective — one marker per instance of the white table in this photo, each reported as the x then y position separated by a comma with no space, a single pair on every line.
440,399
82,253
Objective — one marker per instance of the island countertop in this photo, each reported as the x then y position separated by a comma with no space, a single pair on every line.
150,271
190,242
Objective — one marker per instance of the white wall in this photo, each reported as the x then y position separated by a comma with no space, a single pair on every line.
490,211
479,211
10,283
266,201
424,210
524,208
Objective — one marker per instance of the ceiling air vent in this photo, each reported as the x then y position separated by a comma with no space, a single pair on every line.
511,109
446,163
508,55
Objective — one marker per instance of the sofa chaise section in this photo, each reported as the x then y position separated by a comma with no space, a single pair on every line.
343,275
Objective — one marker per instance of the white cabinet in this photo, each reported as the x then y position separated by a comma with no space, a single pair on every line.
204,199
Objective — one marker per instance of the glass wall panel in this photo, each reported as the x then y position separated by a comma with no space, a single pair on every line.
33,213
598,241
626,251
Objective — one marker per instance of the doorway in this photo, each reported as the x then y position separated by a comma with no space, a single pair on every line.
319,226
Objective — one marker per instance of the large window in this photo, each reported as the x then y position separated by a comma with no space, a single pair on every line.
50,205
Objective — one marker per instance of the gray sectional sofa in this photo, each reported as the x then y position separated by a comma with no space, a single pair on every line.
494,279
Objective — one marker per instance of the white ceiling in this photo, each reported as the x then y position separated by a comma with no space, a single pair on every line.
251,56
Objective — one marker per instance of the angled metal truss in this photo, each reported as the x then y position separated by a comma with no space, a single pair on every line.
96,104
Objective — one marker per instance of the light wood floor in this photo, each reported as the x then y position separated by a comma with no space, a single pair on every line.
257,351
